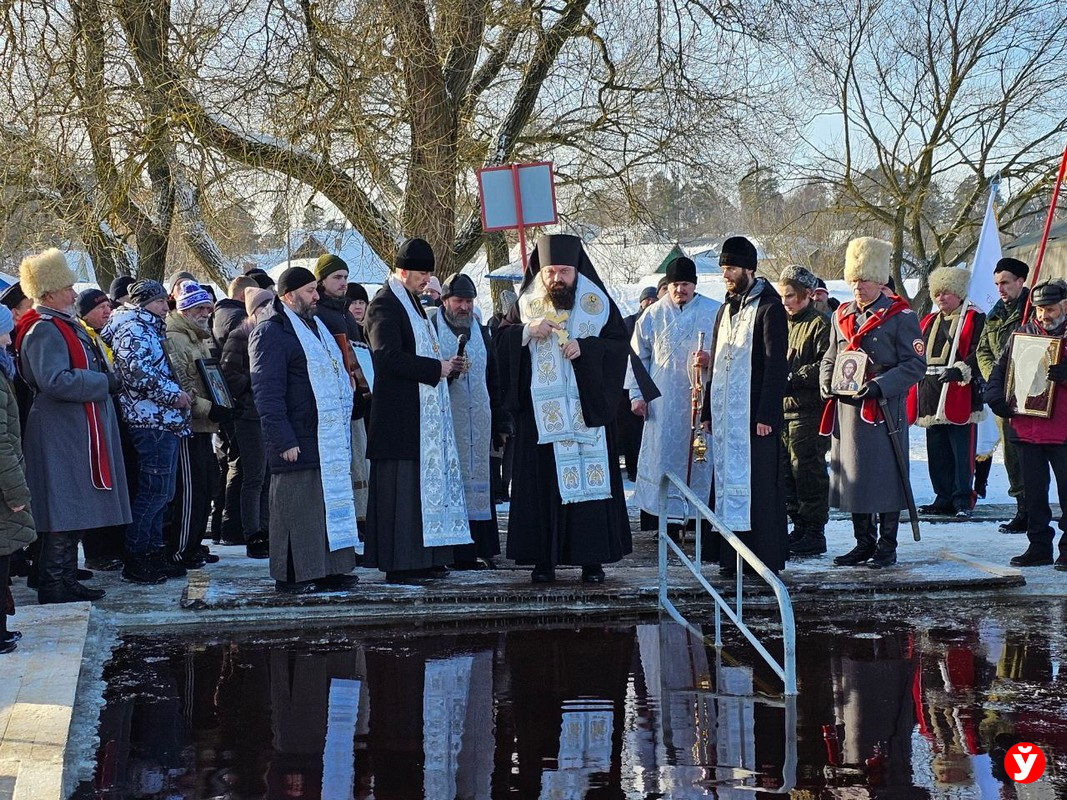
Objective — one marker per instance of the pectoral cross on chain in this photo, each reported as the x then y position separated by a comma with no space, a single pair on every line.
560,318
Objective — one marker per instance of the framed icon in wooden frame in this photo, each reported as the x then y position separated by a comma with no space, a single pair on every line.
1029,391
850,370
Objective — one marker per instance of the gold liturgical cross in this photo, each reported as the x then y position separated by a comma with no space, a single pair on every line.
560,318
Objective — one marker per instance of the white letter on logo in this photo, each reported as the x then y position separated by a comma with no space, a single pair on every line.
1025,765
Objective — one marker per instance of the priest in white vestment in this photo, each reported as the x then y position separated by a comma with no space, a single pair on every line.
562,354
666,341
743,407
417,509
476,414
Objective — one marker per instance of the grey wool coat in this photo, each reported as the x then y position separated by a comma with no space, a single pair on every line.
56,441
16,527
863,468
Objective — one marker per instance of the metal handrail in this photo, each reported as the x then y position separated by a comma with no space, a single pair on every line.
787,670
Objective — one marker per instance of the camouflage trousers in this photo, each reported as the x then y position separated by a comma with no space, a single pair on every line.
807,481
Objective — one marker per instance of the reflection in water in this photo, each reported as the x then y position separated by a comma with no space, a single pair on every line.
908,708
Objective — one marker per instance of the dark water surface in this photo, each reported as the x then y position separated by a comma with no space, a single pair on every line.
899,702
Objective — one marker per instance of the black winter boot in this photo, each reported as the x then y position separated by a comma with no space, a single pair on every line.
863,530
812,543
33,556
258,545
164,564
57,566
886,554
1036,555
72,575
1020,522
981,475
139,568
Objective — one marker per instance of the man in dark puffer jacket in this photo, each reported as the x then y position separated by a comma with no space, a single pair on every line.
252,461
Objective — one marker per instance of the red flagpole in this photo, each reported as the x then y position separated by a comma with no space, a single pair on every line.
1048,228
518,215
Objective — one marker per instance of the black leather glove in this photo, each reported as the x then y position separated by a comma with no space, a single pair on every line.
114,383
1002,408
951,375
1057,373
869,390
220,413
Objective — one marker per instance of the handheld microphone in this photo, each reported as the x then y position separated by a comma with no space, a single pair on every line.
462,345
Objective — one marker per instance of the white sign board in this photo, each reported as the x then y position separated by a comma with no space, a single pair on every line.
496,185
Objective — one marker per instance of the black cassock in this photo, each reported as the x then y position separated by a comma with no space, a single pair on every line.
541,529
768,538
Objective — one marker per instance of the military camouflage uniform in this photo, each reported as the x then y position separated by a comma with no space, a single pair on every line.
807,482
1002,320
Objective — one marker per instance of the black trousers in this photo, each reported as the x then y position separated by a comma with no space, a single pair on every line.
197,474
629,429
1011,461
507,465
1036,460
247,478
500,472
105,543
226,508
950,450
5,563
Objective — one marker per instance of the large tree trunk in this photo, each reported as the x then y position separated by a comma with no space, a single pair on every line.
497,255
443,81
430,196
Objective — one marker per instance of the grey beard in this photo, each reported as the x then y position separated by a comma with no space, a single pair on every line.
301,309
457,322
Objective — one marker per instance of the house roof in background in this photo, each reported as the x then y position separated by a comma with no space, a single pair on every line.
364,265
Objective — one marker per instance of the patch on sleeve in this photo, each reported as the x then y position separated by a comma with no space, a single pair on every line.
919,347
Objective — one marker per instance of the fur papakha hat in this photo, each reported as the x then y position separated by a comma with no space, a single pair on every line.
45,273
950,279
868,259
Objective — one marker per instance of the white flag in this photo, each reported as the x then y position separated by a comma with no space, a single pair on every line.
982,291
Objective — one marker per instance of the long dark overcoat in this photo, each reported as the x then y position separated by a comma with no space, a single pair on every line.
56,439
863,468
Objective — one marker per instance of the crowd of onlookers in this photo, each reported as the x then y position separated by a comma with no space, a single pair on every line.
175,453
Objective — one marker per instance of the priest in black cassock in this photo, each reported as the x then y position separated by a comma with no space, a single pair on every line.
562,352
416,512
743,404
